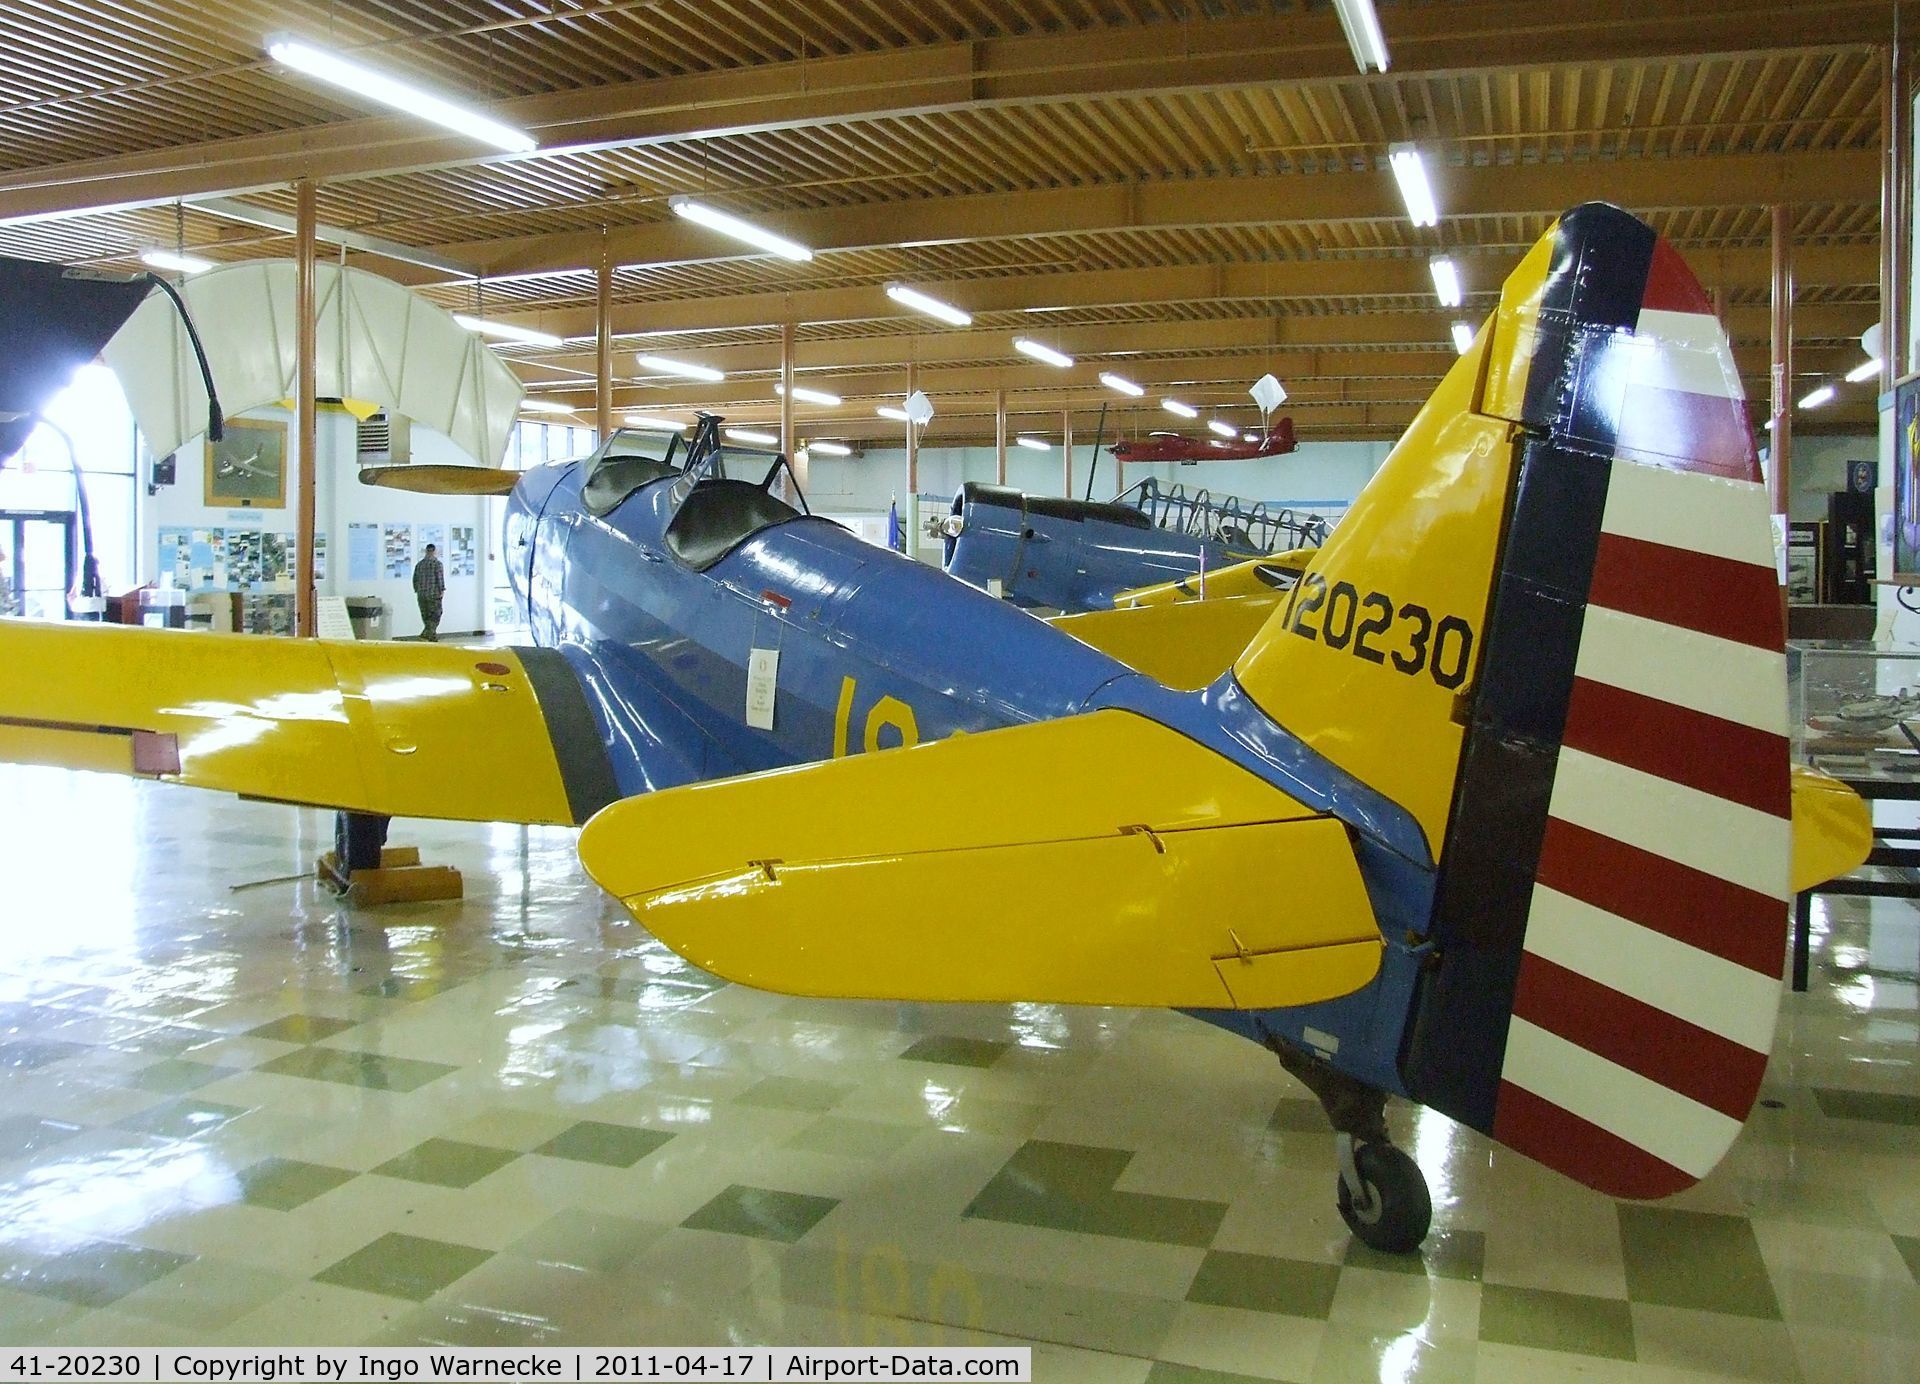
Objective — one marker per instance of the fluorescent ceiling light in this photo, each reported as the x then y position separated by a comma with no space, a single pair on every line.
749,435
648,422
1026,346
1462,337
810,396
1034,443
506,331
544,406
898,415
1823,395
1446,280
1225,429
716,220
177,264
373,85
1175,406
1121,383
832,449
1865,370
666,366
932,307
1410,171
1362,27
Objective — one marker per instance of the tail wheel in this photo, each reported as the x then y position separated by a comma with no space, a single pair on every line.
1383,1197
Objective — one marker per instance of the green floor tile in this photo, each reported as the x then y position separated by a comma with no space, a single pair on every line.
357,1069
1460,1254
175,1077
761,1212
1258,1283
1882,1107
1545,1320
404,1266
30,1054
97,1275
447,1163
956,1052
1070,1187
1909,1247
300,1028
280,1184
182,1119
795,1093
1694,1259
617,1146
21,1135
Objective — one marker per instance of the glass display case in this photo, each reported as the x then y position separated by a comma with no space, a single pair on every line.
1854,709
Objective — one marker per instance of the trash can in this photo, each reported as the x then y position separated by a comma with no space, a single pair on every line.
369,617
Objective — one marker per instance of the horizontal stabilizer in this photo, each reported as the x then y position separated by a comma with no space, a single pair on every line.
1101,859
403,730
1832,829
1186,645
442,480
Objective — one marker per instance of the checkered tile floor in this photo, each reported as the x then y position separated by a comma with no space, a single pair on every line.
252,1116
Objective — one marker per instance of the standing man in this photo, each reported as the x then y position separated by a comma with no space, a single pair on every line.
430,589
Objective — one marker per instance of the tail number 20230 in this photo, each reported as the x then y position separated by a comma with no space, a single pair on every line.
1374,627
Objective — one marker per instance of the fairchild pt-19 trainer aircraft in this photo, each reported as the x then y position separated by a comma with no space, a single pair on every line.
1516,741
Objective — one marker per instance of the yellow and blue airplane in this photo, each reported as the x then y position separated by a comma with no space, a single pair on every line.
1516,741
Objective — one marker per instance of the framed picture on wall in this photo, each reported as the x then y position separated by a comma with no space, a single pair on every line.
247,468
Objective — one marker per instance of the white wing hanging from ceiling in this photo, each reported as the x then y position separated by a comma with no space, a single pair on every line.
377,341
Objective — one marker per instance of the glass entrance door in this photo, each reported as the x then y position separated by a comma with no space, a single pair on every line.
39,560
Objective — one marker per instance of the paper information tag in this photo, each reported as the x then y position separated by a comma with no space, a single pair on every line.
763,671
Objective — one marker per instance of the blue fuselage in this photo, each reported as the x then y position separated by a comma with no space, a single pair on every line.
876,650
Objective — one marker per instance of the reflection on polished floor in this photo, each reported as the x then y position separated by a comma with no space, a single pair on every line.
251,1116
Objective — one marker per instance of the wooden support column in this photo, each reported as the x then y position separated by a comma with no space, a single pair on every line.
1779,471
305,408
603,343
1896,210
786,391
1000,437
1066,448
913,440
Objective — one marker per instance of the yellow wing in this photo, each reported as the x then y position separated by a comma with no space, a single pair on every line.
414,730
1101,859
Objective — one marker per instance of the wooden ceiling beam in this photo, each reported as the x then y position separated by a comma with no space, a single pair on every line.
1820,177
1815,266
1114,346
1298,46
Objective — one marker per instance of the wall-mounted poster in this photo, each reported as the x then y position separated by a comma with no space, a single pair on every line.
243,557
462,560
1906,479
435,534
363,552
396,551
273,558
247,468
176,556
319,557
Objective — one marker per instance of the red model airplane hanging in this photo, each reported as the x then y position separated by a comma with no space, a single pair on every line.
1166,446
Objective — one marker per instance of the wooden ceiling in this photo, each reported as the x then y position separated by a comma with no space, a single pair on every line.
1189,192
